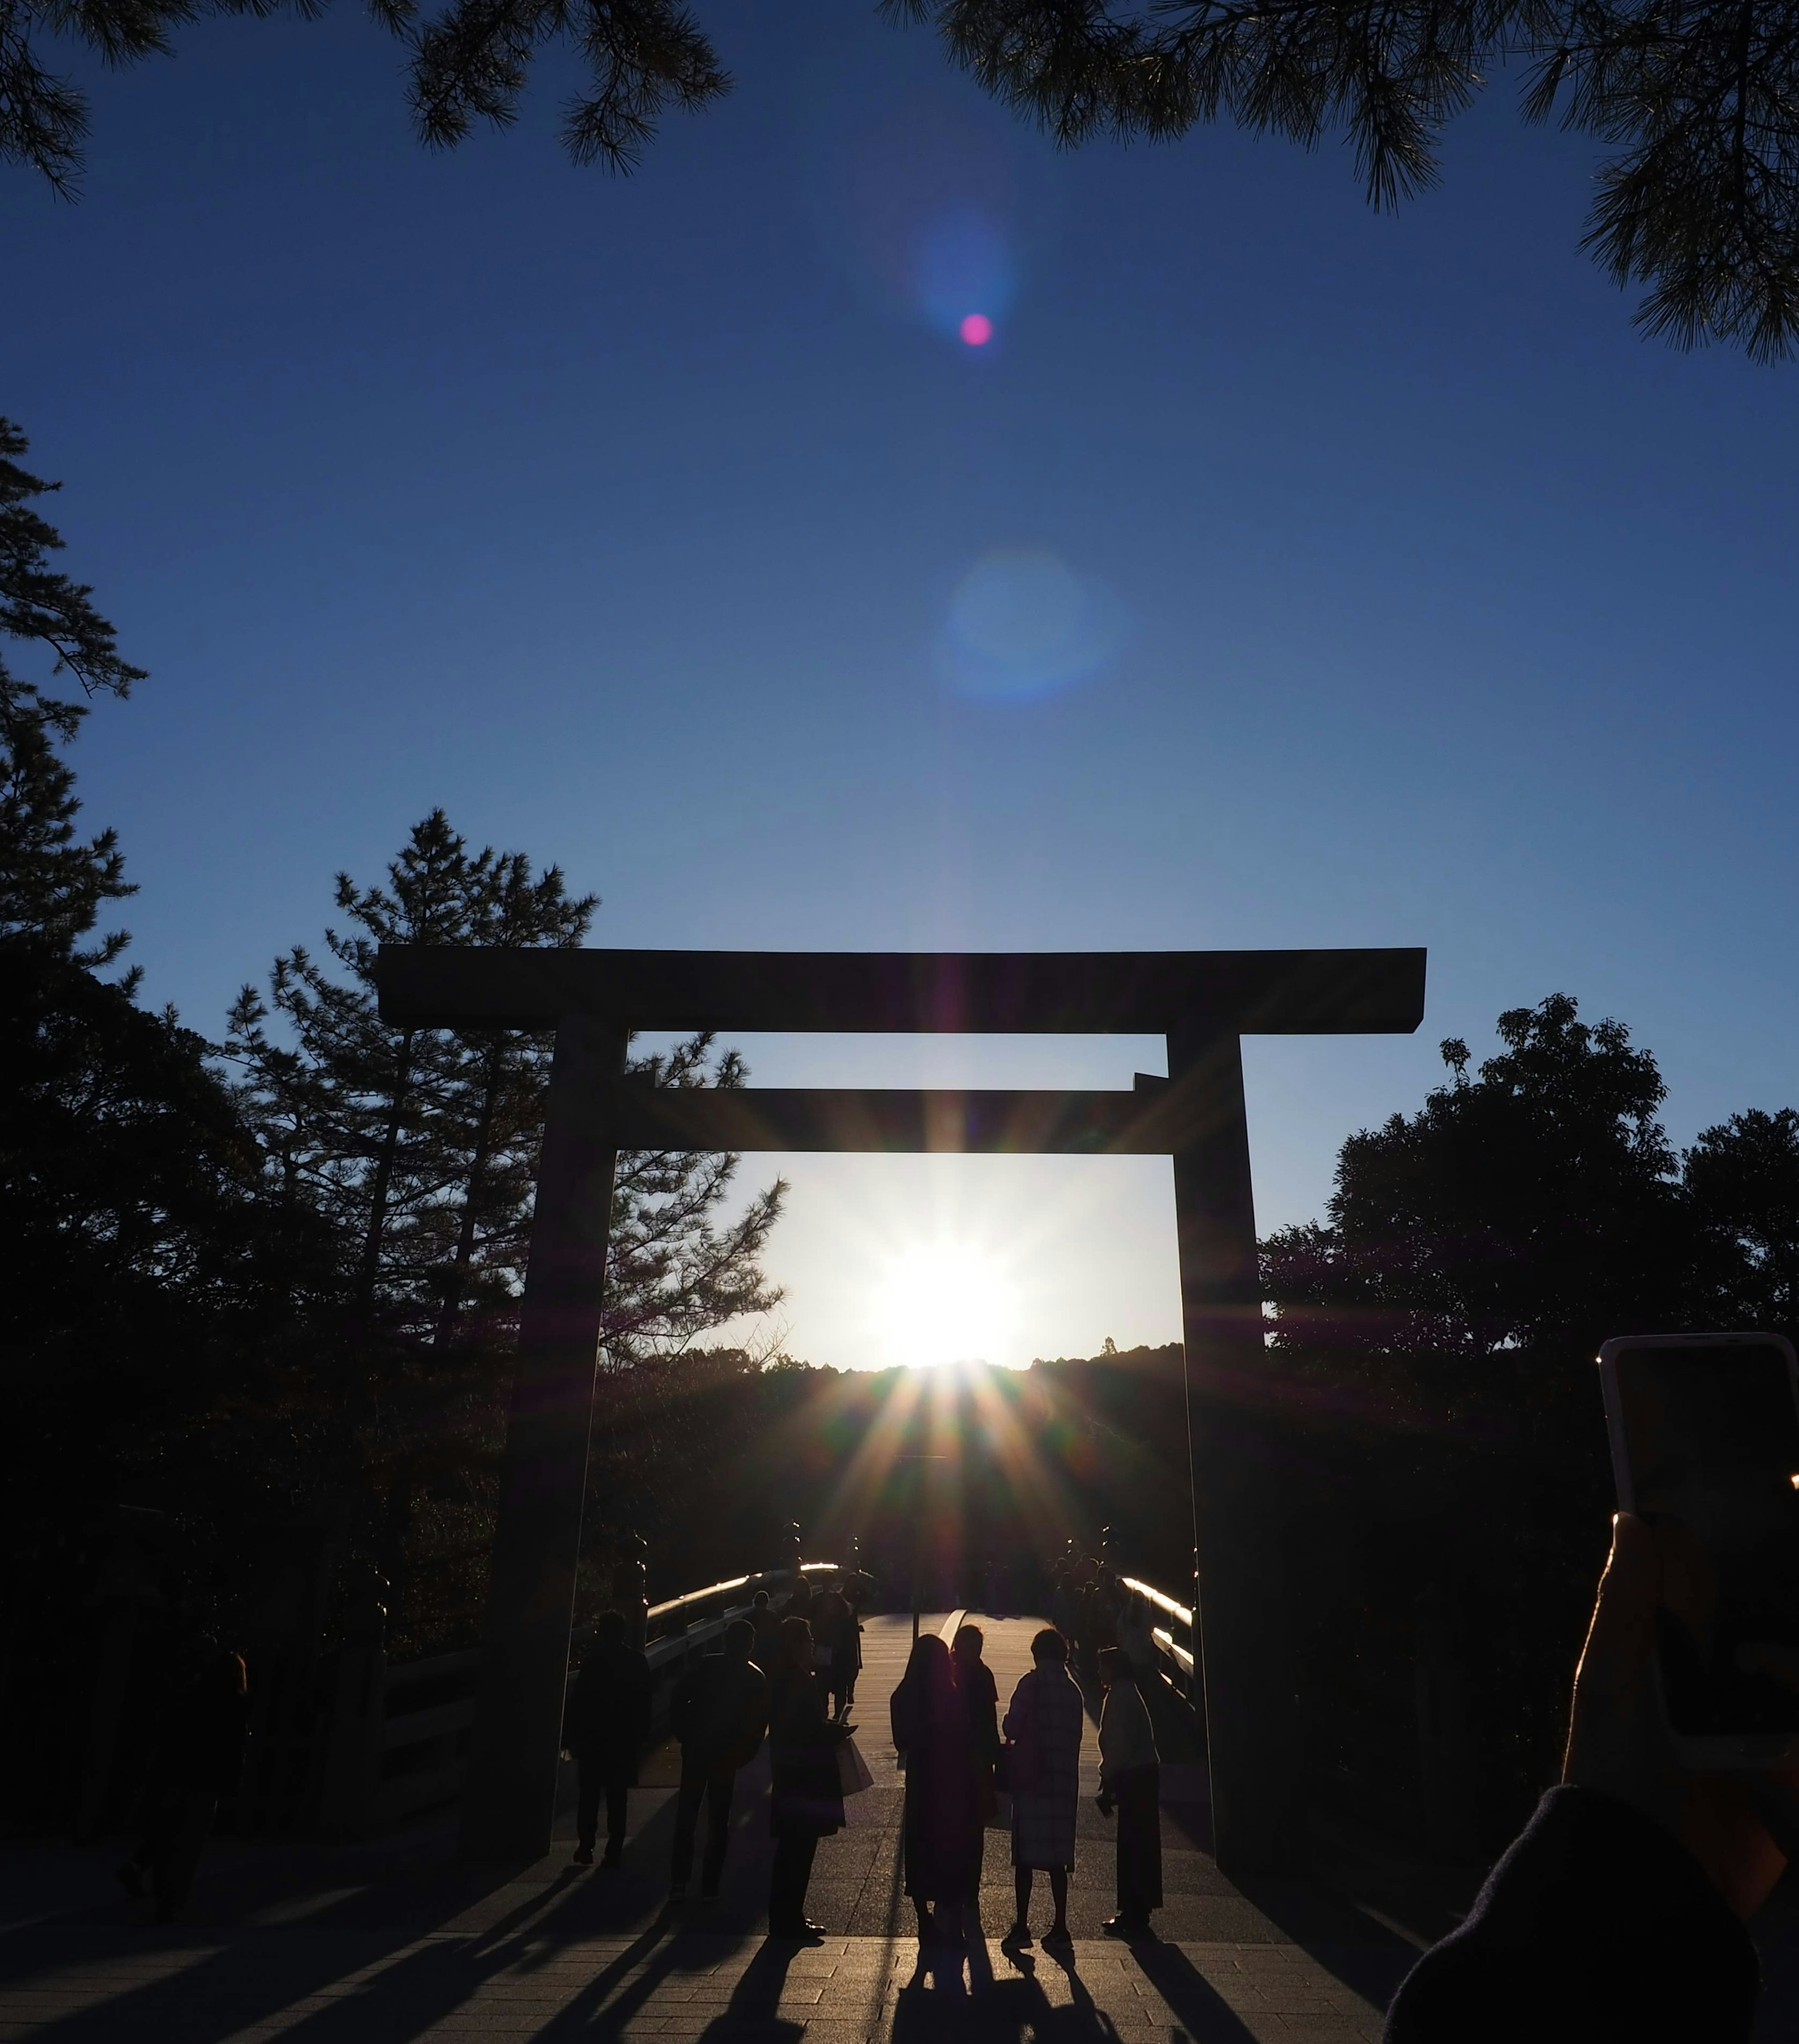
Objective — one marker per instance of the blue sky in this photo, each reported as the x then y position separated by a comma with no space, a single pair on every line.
1278,574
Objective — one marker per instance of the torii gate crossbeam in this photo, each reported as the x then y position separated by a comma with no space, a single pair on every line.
1202,1002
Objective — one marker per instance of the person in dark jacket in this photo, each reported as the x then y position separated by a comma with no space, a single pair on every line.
604,1728
858,1587
719,1711
931,1730
766,1619
807,1802
198,1760
980,1693
835,1631
1616,1916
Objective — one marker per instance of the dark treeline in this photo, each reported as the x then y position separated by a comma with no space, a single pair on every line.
939,1475
254,1351
1432,1410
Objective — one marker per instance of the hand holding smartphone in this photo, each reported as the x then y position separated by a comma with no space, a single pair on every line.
1705,1436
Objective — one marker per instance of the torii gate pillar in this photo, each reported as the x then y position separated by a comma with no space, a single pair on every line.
1202,1001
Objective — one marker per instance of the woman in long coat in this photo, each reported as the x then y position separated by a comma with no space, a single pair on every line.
807,1802
1130,1781
1044,1726
943,1824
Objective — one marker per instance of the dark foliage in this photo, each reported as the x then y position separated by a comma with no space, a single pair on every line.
468,62
161,1284
710,1456
52,886
1699,201
1432,1360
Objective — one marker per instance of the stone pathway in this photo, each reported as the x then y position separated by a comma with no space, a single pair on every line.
689,1984
398,1940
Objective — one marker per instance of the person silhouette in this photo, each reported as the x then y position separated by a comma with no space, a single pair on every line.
806,1804
943,1813
605,1725
1130,1782
198,1760
720,1713
1044,1725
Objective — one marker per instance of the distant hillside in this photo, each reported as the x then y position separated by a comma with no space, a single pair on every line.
709,1458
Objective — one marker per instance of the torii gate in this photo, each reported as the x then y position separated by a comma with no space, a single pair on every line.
1202,1001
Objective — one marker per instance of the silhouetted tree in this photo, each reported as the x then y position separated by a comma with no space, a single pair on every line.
470,62
1432,1358
1531,1208
51,887
410,1140
421,1144
420,1147
1742,1184
165,1333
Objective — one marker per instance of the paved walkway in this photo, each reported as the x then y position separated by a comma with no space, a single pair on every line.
399,1941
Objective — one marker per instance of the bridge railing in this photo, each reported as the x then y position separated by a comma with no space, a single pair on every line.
685,1627
397,1741
1157,1631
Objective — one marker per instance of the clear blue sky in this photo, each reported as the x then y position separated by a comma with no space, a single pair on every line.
1278,574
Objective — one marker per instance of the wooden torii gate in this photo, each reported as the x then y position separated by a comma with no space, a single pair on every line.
1202,1001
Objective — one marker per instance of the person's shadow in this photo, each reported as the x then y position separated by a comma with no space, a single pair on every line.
754,2006
936,2003
1200,2010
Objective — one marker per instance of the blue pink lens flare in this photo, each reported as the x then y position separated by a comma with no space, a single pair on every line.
965,275
1021,623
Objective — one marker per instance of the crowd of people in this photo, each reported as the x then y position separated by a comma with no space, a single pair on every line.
788,1674
1617,1913
959,1756
1094,1608
785,1674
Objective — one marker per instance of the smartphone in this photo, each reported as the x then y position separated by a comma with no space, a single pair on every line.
1704,1431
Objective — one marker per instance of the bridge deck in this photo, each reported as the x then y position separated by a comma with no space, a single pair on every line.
397,1941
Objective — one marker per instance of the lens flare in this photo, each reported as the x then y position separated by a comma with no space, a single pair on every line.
963,258
1022,623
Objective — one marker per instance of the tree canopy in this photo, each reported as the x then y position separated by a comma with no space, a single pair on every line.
280,1276
1698,106
52,887
1431,1364
1698,199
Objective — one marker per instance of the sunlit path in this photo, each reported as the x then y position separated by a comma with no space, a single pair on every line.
398,1941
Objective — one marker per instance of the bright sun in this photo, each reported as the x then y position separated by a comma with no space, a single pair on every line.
942,1302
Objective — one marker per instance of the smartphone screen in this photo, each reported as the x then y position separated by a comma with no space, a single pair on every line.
1712,1436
